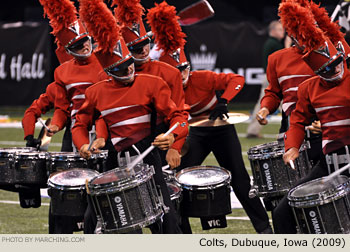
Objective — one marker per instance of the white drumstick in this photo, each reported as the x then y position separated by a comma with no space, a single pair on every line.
149,149
43,123
337,172
292,164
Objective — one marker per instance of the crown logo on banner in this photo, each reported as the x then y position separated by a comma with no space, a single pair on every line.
203,60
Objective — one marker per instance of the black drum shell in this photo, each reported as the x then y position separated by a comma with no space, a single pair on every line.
126,201
7,163
127,206
272,177
206,202
69,202
61,161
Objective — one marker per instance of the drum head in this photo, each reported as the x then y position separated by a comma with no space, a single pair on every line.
202,176
72,177
121,174
318,186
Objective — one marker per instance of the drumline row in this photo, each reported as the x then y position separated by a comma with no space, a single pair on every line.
319,206
122,200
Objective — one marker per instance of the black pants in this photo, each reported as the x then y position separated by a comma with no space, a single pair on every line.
169,223
224,143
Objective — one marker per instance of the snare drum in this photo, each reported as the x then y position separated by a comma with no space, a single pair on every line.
68,191
322,206
98,161
271,176
7,163
126,200
61,161
205,191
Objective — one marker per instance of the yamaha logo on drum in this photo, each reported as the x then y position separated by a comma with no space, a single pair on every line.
268,176
121,212
315,223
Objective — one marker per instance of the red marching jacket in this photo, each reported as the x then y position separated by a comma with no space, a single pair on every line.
285,71
331,104
200,90
126,110
75,77
169,74
40,106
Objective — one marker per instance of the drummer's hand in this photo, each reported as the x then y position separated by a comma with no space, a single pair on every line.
315,127
261,116
290,155
32,142
220,110
98,144
84,151
164,142
173,158
53,130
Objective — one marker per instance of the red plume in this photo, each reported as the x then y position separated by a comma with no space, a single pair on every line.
101,23
61,13
331,29
128,12
300,23
166,28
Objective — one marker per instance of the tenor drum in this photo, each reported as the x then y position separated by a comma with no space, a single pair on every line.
67,190
205,191
98,161
126,200
271,176
61,161
322,206
7,163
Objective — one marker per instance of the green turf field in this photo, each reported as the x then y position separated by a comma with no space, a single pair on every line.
14,219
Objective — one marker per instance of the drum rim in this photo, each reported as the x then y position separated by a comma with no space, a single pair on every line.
143,176
31,155
199,187
318,199
69,155
177,194
253,153
53,185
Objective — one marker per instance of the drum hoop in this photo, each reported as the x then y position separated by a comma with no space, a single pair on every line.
30,155
177,194
62,156
113,187
319,199
142,176
67,187
198,187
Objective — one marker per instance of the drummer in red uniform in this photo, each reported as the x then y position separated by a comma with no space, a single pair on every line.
124,101
129,14
326,95
200,93
72,77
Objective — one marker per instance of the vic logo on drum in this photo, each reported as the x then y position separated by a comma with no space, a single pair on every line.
121,211
268,176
